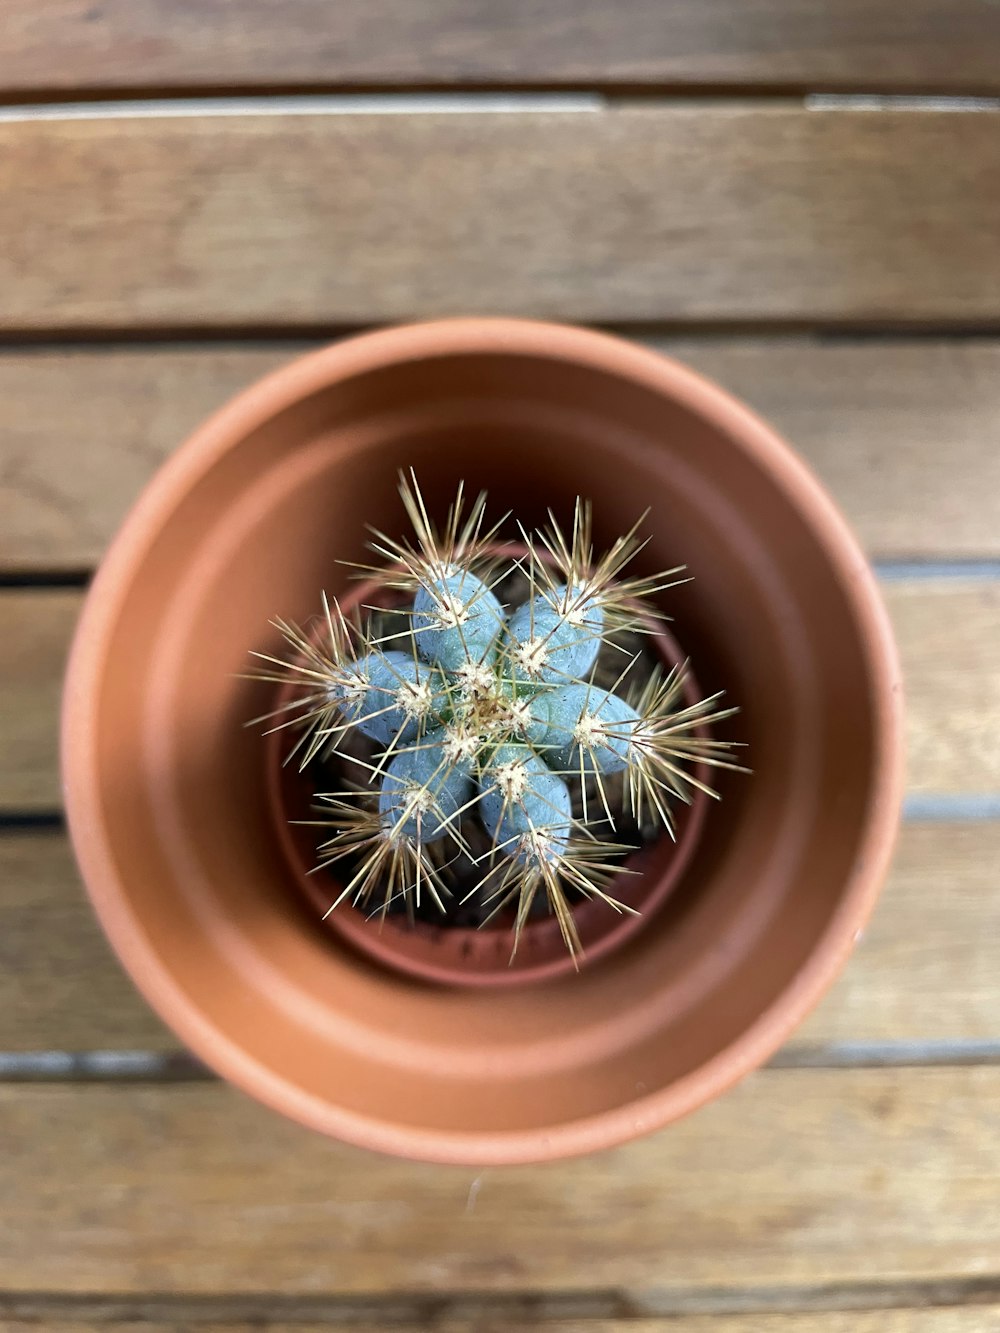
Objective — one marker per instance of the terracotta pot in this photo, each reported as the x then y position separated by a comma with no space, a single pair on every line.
165,787
466,956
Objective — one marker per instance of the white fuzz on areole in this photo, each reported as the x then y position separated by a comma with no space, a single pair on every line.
449,611
642,738
532,656
515,716
415,698
577,601
350,687
511,779
540,845
476,679
589,730
460,744
417,800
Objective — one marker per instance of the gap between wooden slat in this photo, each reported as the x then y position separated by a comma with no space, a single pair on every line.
959,1306
923,806
904,571
941,807
891,102
113,1066
287,340
466,100
469,101
325,104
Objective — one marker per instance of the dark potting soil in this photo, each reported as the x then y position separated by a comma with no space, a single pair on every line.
470,885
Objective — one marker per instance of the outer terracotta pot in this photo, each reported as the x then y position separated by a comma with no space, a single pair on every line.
165,787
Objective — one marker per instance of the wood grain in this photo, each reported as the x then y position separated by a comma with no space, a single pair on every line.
925,968
943,627
679,213
952,682
35,630
797,1176
75,45
924,972
60,986
904,432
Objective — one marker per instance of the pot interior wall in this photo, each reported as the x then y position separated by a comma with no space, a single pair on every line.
182,777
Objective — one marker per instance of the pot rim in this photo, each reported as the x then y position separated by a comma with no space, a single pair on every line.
225,430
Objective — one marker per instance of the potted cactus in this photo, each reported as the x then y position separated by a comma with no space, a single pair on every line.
490,774
401,1027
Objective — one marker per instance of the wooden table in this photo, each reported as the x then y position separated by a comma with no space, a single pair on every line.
190,193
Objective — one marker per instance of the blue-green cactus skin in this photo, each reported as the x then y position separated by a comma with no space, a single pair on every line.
423,766
375,711
481,620
544,802
539,733
613,721
566,651
489,740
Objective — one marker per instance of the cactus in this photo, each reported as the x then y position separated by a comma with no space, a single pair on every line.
481,712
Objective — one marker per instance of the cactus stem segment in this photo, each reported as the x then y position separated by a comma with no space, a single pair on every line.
436,554
600,582
539,860
391,865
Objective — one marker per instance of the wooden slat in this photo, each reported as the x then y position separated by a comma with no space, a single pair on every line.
796,1177
925,969
35,630
686,213
905,432
70,45
948,632
944,630
84,430
924,972
60,986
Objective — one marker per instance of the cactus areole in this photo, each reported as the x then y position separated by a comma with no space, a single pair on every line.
473,732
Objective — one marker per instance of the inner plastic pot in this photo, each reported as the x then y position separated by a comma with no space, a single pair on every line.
455,955
165,789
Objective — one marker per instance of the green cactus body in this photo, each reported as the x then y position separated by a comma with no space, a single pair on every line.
581,607
547,647
523,728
